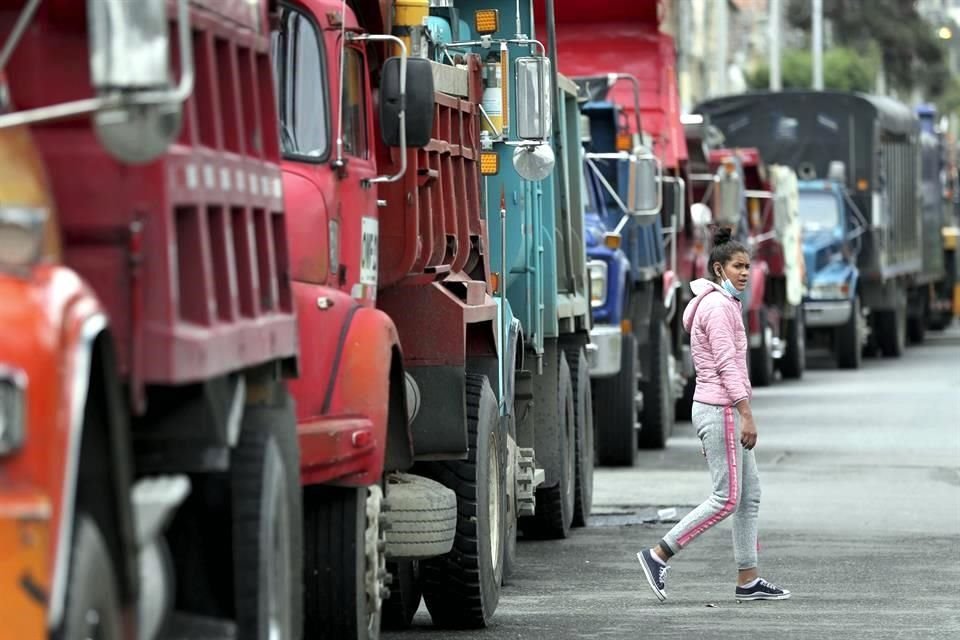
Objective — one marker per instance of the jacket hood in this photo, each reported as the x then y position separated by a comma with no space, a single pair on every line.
700,289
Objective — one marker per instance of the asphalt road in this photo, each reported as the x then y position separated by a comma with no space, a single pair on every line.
860,518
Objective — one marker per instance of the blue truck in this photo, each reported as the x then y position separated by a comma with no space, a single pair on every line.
628,257
858,160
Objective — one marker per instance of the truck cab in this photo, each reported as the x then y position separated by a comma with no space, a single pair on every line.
628,258
830,249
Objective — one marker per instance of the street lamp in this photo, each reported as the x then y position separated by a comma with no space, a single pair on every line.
944,33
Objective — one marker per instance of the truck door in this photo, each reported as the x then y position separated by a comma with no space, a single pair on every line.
356,205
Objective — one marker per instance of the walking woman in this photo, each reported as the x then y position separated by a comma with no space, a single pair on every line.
724,423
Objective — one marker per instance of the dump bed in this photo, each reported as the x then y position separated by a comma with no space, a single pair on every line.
594,39
187,253
433,225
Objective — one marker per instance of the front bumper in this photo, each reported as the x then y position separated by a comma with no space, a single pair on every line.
608,340
826,313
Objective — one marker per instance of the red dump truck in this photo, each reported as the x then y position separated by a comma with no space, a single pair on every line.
148,450
406,376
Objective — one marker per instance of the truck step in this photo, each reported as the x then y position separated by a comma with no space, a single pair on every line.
187,626
155,498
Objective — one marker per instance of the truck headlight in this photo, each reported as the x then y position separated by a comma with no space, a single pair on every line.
598,282
12,386
830,291
21,236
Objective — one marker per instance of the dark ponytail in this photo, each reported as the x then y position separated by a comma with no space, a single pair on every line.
724,248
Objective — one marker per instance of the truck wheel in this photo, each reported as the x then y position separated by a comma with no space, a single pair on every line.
462,588
405,595
615,410
267,521
891,332
684,407
918,320
847,339
657,420
554,505
344,563
93,605
583,412
761,358
794,359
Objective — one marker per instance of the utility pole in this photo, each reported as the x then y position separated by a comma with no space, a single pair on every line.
720,61
818,45
773,25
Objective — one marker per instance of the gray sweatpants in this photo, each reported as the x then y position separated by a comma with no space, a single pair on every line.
736,485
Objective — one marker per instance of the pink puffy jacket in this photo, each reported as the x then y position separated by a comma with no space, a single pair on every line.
718,345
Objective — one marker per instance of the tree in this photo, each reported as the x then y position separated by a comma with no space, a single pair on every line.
911,54
843,70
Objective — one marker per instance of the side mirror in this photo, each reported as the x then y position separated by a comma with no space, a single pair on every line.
700,214
130,58
533,98
644,190
727,198
418,103
129,45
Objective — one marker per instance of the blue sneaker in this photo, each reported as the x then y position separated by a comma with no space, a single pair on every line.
762,590
654,570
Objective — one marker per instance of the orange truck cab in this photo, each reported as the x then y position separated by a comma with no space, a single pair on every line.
148,450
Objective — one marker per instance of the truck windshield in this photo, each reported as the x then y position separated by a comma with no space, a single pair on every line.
819,210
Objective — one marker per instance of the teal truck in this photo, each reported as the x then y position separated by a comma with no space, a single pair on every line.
532,164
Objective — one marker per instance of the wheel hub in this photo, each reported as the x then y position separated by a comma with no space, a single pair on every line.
493,502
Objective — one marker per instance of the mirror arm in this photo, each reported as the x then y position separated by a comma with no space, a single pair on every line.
23,21
402,116
488,43
483,113
605,183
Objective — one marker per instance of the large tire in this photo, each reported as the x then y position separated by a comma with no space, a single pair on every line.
656,423
615,410
891,330
462,588
917,322
339,560
583,413
405,595
794,359
847,339
422,516
93,603
684,406
761,358
554,505
267,521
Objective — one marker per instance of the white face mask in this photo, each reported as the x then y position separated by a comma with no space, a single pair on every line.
728,286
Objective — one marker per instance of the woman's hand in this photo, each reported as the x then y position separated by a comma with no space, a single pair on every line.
748,432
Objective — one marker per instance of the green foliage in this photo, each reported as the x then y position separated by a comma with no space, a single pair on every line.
911,52
949,102
843,70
